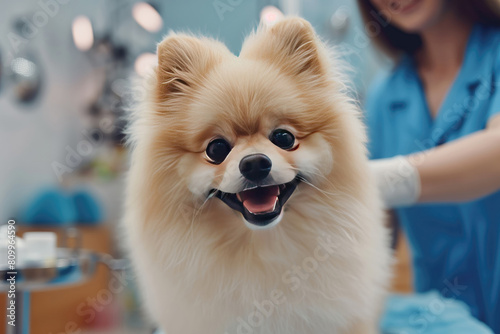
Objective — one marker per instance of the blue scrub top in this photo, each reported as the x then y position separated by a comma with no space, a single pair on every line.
455,247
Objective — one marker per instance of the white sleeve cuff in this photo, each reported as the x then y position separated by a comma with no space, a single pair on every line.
398,181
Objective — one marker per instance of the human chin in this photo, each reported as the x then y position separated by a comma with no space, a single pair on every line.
412,25
411,16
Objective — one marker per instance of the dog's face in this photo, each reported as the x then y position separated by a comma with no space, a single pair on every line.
247,130
251,148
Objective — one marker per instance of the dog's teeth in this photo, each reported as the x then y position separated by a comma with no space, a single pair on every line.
275,202
238,197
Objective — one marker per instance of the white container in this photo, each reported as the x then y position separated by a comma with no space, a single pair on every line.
39,247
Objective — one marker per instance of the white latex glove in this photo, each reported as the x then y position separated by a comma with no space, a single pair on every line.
398,181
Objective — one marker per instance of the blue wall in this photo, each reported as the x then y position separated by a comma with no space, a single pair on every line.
353,44
228,20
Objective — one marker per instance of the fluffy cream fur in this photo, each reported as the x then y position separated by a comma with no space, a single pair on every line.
324,267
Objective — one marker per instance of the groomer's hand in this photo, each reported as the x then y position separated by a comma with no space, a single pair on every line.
398,181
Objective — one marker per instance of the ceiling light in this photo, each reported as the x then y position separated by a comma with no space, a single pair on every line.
83,36
270,15
147,17
145,63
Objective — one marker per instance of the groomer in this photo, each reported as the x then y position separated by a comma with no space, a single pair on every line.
434,135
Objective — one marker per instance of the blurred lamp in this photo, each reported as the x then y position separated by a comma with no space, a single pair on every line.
83,36
147,17
270,15
340,20
25,78
23,67
1,67
145,63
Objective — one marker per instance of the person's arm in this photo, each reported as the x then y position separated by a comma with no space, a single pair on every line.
462,170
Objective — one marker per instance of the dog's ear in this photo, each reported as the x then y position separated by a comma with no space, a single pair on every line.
291,44
183,61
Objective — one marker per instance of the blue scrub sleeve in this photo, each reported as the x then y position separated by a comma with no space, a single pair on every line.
374,117
495,103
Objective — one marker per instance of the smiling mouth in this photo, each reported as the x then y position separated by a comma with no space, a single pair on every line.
260,206
404,7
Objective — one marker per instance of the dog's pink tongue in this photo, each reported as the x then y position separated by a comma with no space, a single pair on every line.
260,200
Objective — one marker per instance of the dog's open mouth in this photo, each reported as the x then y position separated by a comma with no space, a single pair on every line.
260,206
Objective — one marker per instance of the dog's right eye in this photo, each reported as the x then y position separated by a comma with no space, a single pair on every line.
217,150
283,139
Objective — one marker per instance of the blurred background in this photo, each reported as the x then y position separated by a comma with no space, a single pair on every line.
66,67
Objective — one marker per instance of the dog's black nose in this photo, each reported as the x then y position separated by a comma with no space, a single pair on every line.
255,167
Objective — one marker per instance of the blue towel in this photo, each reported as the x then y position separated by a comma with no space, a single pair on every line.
50,207
427,313
87,208
59,207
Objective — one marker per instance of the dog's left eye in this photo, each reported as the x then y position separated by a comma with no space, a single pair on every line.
282,138
217,150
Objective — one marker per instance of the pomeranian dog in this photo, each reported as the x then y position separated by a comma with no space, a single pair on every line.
250,206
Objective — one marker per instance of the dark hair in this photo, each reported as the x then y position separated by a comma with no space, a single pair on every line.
395,41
